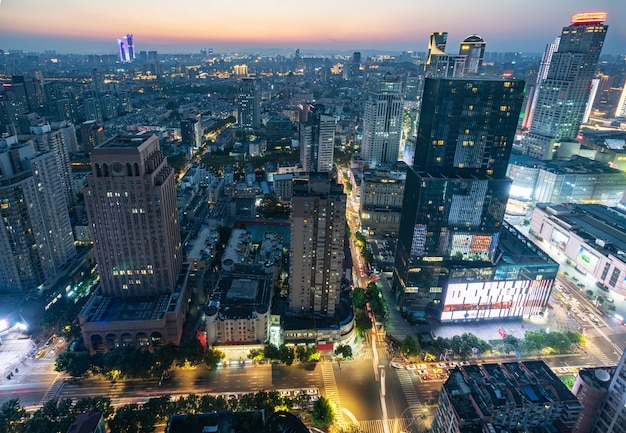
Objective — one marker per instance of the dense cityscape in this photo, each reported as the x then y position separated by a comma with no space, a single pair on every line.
365,242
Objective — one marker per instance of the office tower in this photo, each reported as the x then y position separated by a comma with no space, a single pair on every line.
130,43
542,74
436,45
456,190
446,66
143,57
249,102
564,93
191,133
382,122
317,140
473,47
612,416
36,234
318,220
131,205
509,397
279,132
126,49
122,50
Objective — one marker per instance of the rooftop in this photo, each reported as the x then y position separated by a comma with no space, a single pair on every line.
600,225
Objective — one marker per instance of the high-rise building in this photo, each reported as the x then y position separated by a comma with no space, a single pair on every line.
317,140
473,47
456,190
59,141
36,234
190,133
620,110
131,207
318,219
446,66
249,102
612,416
382,122
436,45
542,74
564,93
126,48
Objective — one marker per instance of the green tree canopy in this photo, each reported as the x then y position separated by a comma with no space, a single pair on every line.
323,413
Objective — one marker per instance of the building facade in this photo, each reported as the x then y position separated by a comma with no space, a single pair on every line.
36,234
456,190
318,219
317,140
381,195
249,103
131,207
473,47
564,93
382,122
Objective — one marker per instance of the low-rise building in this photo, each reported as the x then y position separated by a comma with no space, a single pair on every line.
590,236
507,397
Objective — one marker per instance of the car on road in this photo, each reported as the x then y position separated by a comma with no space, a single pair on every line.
311,391
442,365
452,364
397,365
411,367
422,372
594,319
422,366
427,377
438,371
561,369
582,318
464,363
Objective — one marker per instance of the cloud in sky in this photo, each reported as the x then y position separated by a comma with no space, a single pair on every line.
80,26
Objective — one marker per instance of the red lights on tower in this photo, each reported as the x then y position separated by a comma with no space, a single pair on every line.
585,18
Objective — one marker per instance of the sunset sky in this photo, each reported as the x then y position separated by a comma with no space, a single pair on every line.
184,26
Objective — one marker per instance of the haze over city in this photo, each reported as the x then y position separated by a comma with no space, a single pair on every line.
71,26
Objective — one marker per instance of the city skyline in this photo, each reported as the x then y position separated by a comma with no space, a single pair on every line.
183,26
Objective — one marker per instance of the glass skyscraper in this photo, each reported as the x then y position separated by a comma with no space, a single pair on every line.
456,190
564,93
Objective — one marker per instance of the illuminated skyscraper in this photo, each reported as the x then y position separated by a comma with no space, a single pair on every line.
131,206
564,93
541,75
318,219
126,48
436,45
249,103
317,140
382,122
456,190
473,47
36,235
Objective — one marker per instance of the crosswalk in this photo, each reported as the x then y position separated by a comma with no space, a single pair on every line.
332,393
53,391
595,351
396,425
406,382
